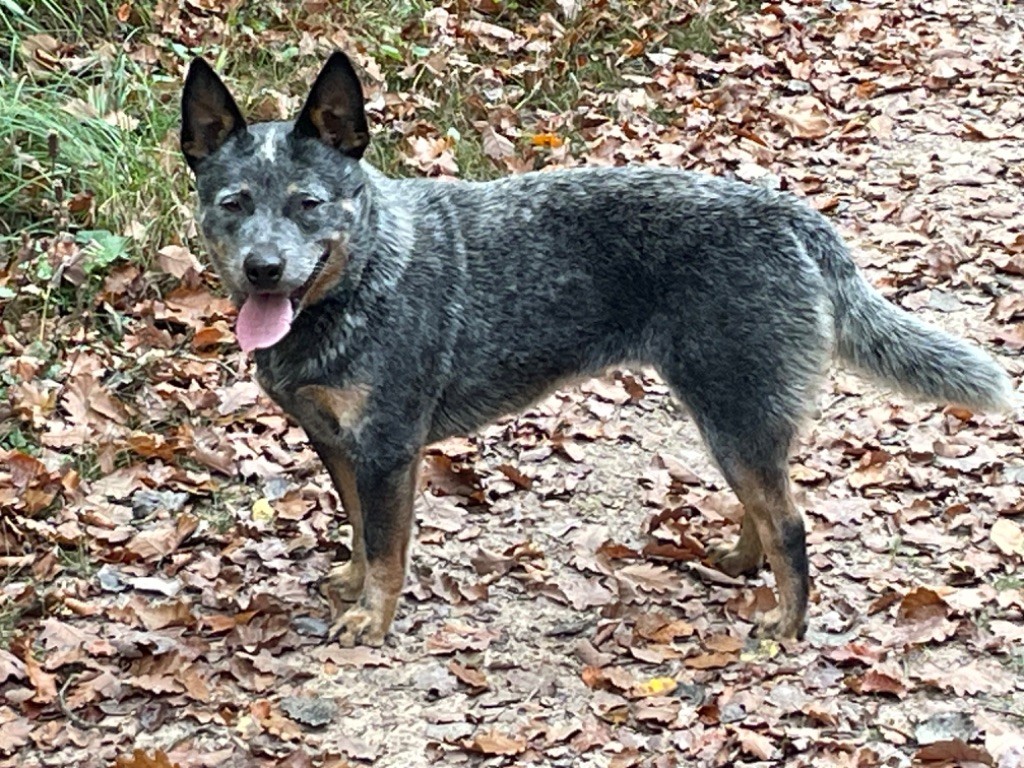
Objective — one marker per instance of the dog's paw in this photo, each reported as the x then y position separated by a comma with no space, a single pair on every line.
781,626
734,561
344,583
359,625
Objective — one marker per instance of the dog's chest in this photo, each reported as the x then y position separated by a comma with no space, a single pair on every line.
330,413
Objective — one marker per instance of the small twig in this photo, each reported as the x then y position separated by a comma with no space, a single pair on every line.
75,719
527,97
1003,710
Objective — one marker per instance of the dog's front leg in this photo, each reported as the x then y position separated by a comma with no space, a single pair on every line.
385,503
373,463
344,584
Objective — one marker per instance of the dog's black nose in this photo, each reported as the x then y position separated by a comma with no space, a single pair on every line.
263,270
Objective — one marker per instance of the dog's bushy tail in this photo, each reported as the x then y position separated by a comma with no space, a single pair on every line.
881,340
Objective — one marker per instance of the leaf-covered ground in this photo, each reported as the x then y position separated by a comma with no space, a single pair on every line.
164,527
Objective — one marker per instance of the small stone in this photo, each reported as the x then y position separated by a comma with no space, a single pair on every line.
309,710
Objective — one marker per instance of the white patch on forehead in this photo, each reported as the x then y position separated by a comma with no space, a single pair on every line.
348,206
268,149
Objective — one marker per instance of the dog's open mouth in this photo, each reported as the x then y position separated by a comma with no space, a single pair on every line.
266,318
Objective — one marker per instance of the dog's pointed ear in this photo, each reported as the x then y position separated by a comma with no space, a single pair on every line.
334,111
209,116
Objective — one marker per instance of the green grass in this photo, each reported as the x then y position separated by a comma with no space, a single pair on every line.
77,560
84,150
219,511
10,617
1008,581
74,20
705,31
55,154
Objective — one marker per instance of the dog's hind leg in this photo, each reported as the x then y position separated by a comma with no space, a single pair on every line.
744,557
769,510
748,423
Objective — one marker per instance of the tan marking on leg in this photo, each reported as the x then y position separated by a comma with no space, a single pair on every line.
329,276
368,621
345,406
776,519
745,556
344,583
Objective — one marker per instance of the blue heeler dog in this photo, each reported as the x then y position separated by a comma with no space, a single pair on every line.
386,314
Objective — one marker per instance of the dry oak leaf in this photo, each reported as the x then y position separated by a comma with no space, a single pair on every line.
661,630
156,614
90,404
650,578
877,681
273,721
455,636
472,677
657,709
610,707
496,146
140,759
176,260
1008,537
44,683
359,657
976,676
710,660
924,603
14,734
953,751
806,118
755,744
608,678
10,666
161,540
493,742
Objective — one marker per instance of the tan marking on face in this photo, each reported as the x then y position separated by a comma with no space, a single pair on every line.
344,406
211,132
329,276
337,128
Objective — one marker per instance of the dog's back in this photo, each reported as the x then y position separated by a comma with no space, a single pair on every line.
543,277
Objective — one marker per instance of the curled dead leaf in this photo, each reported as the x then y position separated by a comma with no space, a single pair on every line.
1008,537
806,118
494,742
141,759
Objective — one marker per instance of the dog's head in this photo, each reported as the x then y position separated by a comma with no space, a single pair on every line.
277,201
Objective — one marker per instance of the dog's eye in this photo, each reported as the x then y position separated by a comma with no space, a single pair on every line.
310,203
231,204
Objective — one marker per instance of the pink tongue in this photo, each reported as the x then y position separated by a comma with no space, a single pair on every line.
263,320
